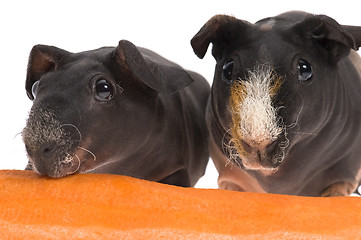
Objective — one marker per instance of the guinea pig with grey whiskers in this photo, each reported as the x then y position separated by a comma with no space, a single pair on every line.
120,110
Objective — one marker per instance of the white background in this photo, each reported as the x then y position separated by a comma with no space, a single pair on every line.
165,27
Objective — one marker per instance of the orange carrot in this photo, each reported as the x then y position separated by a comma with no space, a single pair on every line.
100,206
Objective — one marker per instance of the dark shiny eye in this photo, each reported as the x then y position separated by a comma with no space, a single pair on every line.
304,70
104,90
34,89
228,71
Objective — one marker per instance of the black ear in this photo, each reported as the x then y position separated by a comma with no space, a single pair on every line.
42,59
336,39
224,32
151,69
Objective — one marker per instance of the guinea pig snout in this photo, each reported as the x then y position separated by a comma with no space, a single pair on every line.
49,144
261,156
256,126
47,157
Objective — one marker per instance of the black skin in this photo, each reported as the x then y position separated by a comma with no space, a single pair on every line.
149,125
322,115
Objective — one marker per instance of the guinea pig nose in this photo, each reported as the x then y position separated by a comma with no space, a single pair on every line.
47,148
261,147
272,146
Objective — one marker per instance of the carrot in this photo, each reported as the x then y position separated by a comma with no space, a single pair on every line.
100,206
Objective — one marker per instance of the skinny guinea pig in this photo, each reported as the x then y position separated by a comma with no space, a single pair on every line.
285,108
119,110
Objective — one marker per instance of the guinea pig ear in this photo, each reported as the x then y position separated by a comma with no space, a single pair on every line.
154,71
336,39
42,59
223,31
355,32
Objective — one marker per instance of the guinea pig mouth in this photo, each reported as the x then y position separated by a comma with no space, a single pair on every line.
262,158
57,165
257,158
53,158
59,162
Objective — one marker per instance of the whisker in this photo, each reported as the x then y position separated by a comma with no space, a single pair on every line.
305,133
79,163
235,160
68,159
292,125
75,127
280,157
227,148
230,151
16,135
283,145
90,152
228,162
224,145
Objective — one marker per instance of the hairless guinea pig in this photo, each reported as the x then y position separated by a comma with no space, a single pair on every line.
123,110
285,108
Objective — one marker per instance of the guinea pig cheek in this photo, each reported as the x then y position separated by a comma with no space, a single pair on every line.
255,123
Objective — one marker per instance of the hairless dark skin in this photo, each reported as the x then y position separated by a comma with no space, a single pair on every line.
120,110
285,109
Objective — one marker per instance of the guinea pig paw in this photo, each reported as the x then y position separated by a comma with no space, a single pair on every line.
339,189
230,186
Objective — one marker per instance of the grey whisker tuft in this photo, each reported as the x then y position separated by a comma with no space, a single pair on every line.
230,151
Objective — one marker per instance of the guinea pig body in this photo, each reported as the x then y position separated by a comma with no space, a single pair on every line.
284,113
121,110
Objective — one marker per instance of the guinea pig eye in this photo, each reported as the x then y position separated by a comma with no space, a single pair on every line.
104,90
227,73
34,88
305,70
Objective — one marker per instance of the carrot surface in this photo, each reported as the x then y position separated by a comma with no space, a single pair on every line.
100,206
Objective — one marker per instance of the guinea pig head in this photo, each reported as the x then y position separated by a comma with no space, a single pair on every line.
275,82
91,108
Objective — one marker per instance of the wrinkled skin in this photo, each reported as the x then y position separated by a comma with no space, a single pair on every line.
318,150
122,110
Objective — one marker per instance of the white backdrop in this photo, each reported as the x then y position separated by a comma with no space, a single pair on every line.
165,27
